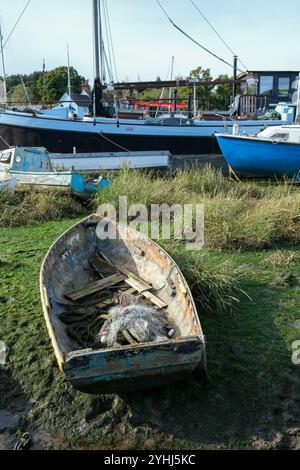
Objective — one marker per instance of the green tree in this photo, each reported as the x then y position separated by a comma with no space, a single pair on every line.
222,94
18,95
56,82
203,93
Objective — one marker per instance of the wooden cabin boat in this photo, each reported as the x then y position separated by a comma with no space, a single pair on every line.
83,275
32,167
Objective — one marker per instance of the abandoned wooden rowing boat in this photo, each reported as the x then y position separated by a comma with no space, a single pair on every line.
83,276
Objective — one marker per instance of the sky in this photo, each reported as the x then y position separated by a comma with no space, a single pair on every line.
263,34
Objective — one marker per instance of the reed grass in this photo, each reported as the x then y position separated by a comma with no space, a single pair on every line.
281,259
238,215
216,288
23,208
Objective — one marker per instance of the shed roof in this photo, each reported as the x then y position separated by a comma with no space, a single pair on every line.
81,99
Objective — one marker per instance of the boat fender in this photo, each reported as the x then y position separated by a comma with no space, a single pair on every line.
235,129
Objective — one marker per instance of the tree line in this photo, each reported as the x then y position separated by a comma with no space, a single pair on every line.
42,87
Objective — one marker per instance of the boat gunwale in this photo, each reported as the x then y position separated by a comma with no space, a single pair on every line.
251,138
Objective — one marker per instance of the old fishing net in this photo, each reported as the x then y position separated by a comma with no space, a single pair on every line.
144,324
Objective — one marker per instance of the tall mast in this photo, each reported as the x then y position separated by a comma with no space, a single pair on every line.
96,38
170,92
235,66
44,81
69,74
3,65
172,73
98,109
102,51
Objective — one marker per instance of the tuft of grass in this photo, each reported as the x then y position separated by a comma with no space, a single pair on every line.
23,208
281,259
3,262
216,288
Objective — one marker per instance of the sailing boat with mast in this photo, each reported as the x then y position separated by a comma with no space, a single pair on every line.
99,133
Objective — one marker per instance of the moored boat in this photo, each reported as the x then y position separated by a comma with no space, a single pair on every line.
32,167
83,275
275,152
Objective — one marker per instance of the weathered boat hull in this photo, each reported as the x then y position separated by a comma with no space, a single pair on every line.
129,367
138,369
63,180
7,184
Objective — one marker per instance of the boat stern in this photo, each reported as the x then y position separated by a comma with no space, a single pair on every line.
133,368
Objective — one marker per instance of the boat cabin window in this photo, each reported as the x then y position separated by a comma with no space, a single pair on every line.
283,86
280,136
5,157
266,85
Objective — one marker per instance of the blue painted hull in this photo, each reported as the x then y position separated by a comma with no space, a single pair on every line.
255,157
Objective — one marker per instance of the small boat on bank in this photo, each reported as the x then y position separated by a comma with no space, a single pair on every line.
83,276
275,152
32,167
7,183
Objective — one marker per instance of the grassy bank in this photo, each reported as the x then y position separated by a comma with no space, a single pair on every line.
239,215
251,395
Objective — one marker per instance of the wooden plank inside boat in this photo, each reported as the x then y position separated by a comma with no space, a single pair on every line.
102,267
139,284
95,287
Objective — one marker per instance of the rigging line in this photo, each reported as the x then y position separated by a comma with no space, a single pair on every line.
109,70
112,43
214,29
192,39
108,53
2,138
18,21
